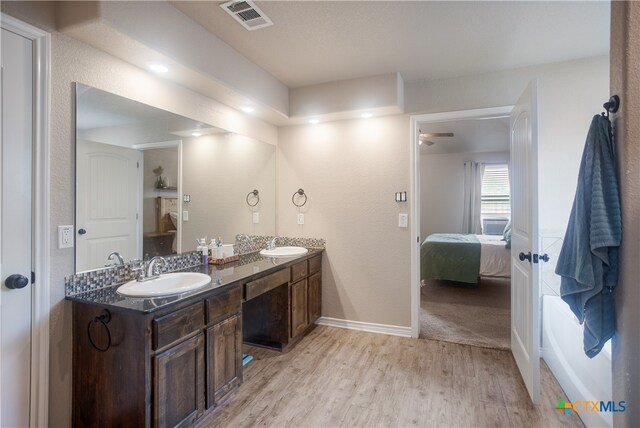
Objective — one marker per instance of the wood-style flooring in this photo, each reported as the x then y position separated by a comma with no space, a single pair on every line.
343,378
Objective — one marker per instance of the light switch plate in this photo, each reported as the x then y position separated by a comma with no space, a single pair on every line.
403,220
300,218
65,236
256,218
185,215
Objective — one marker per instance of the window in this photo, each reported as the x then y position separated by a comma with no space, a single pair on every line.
495,201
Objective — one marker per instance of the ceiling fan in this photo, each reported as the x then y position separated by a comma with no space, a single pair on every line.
425,136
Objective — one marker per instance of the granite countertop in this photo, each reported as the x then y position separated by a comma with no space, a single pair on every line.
221,275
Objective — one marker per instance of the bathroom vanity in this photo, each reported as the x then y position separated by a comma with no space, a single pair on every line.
169,361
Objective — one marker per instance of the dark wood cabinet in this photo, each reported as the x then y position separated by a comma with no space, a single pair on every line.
299,308
224,352
166,368
314,293
179,383
280,308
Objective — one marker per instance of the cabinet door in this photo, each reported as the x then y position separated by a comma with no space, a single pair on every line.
299,307
178,383
224,358
315,297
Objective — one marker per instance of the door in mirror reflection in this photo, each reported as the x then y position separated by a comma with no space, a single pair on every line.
107,212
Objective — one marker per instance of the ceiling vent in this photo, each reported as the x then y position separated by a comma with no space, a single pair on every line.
247,14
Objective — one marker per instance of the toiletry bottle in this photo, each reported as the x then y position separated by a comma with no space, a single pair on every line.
204,250
212,249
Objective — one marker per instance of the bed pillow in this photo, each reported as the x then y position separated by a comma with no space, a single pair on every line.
506,234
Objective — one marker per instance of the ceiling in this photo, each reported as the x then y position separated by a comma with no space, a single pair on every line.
314,42
470,135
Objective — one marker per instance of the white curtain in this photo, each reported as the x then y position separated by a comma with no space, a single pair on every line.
471,220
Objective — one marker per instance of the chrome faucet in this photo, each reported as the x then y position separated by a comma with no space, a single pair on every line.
272,244
146,271
151,266
119,260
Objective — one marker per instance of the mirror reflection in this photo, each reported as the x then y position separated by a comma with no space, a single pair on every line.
149,182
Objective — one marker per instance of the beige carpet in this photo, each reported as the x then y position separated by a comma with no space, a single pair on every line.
472,316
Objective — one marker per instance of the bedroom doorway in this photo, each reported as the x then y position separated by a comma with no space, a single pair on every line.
525,270
464,209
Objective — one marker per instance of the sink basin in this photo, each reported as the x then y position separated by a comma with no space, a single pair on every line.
284,252
165,285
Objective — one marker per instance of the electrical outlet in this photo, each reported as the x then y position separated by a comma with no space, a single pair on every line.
65,236
300,218
256,218
403,220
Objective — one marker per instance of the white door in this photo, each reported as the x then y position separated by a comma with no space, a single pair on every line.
15,234
525,300
107,204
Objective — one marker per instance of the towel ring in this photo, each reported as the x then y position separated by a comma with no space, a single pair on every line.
299,192
256,196
103,319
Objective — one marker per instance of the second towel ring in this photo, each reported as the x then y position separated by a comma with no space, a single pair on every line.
256,196
299,192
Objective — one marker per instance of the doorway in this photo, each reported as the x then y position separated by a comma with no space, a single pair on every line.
464,212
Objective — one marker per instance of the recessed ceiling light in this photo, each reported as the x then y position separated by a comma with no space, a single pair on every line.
196,134
314,121
158,68
366,115
247,109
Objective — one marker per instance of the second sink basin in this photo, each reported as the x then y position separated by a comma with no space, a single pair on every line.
165,285
284,252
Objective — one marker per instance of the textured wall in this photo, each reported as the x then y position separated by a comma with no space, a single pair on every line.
351,171
625,82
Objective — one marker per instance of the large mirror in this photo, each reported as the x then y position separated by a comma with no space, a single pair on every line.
149,182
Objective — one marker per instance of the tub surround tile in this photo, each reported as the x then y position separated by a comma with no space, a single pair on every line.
550,280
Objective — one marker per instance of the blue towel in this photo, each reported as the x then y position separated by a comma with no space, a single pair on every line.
588,261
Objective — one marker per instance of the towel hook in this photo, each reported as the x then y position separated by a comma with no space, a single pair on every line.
299,192
256,196
612,105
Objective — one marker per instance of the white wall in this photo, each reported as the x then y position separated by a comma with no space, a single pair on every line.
442,189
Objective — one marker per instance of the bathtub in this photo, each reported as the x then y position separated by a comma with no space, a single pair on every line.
581,378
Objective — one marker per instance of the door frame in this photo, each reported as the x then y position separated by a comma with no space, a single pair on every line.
414,168
41,305
163,145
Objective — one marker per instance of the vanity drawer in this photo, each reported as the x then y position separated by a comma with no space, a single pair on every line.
176,325
298,271
224,304
269,282
315,264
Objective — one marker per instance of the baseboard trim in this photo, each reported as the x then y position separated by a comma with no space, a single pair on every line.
393,330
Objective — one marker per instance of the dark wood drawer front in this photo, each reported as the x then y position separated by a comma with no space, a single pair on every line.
269,282
174,326
224,304
298,271
315,264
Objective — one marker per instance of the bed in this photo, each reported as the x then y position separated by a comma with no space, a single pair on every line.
464,258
